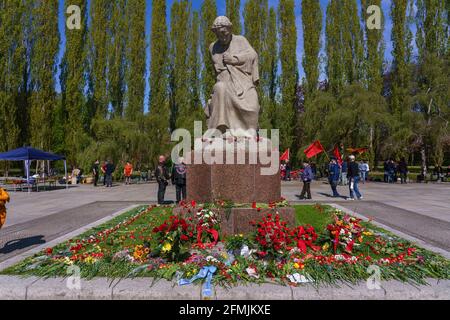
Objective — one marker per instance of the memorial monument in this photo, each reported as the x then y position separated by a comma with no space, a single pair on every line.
233,111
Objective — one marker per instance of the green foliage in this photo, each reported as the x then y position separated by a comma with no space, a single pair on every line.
43,66
286,113
208,14
233,13
312,27
135,53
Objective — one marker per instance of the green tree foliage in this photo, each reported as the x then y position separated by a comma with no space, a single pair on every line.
98,54
74,86
159,104
196,109
208,14
43,68
373,61
179,64
13,70
268,70
312,29
233,13
135,57
286,113
344,46
116,57
400,69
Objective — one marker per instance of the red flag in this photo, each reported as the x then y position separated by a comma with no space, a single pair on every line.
338,156
285,156
314,149
358,150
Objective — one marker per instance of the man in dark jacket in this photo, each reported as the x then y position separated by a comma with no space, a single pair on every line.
96,172
162,177
353,178
110,168
403,170
307,176
179,179
333,176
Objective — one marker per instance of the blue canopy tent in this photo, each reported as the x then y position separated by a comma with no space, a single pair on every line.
28,154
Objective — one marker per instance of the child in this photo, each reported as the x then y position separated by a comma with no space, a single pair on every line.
4,197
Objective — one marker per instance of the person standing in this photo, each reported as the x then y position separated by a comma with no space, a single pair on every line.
403,170
127,172
364,170
333,176
344,180
307,176
103,169
287,176
162,177
353,178
96,172
4,198
110,168
179,179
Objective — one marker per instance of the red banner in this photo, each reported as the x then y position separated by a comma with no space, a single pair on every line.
285,156
337,155
314,149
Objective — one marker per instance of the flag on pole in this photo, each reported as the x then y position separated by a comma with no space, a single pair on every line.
358,150
314,149
337,155
285,156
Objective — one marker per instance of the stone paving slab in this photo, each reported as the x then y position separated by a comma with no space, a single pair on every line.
143,289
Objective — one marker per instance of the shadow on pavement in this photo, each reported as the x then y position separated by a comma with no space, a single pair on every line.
20,244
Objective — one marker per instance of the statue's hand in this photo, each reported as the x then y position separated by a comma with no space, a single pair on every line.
229,59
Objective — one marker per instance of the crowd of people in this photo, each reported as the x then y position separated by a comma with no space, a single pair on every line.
347,173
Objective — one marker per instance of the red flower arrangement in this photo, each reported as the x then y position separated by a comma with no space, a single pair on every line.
274,237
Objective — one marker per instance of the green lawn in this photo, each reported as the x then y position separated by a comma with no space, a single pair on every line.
315,215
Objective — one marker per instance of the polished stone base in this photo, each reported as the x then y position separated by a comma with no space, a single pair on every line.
238,220
242,182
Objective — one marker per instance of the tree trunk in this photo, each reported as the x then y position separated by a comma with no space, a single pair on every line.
423,155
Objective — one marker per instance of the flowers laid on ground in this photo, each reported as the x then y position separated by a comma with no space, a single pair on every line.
151,241
346,231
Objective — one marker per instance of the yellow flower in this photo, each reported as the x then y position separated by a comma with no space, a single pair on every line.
367,233
90,260
325,246
299,266
166,247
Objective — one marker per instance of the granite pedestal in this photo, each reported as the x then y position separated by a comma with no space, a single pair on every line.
243,181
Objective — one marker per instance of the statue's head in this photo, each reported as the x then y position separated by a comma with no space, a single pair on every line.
222,27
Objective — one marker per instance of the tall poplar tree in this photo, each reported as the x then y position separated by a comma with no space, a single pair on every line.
335,63
269,69
374,50
135,56
233,13
12,63
312,30
208,14
286,113
159,108
400,72
43,68
179,63
116,57
195,69
74,85
100,14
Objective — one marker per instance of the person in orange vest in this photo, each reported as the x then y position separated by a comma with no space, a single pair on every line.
127,172
4,198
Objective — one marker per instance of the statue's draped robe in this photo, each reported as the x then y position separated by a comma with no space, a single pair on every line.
234,103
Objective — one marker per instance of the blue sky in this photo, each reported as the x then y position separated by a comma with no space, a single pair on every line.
221,11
